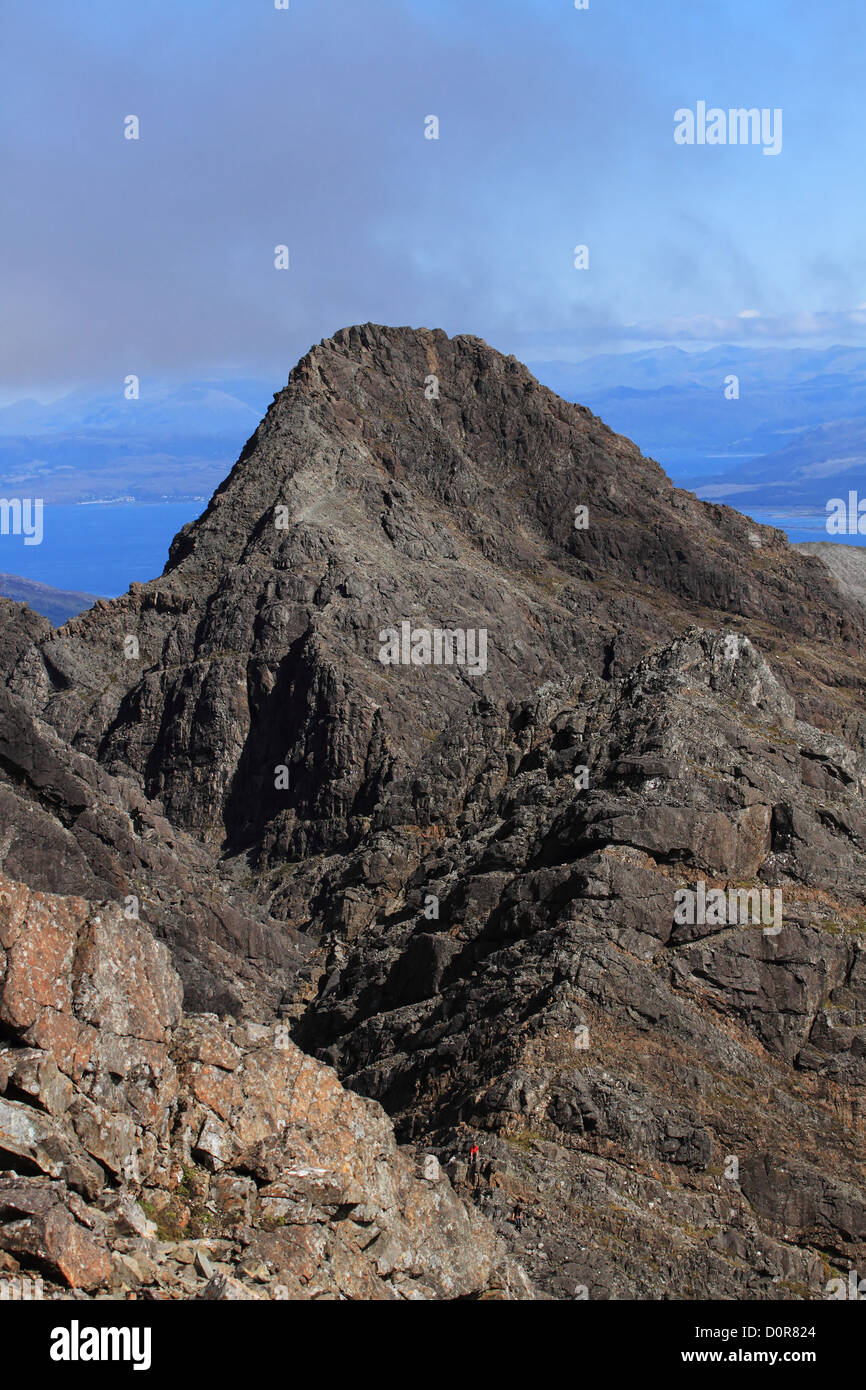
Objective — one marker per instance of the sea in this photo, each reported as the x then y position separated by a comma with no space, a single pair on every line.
803,527
99,547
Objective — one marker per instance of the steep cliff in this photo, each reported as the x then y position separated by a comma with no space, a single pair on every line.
456,882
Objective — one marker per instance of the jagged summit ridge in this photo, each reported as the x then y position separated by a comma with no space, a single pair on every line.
455,880
362,503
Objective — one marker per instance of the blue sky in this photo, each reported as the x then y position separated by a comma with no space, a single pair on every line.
306,127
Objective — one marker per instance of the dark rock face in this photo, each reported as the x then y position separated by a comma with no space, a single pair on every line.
71,827
458,888
259,644
613,1060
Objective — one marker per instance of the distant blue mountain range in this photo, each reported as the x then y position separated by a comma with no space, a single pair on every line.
801,476
673,404
176,442
796,409
56,604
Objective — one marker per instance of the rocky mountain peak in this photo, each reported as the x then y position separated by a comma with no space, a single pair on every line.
412,752
368,500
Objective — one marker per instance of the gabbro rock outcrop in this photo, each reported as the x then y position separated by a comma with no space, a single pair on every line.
452,893
187,1157
678,1104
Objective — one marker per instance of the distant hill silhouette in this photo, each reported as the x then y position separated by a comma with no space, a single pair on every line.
55,604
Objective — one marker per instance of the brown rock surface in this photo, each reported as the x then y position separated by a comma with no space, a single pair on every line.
174,1127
